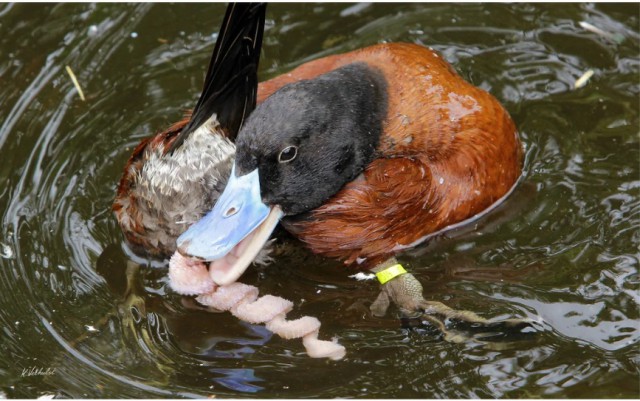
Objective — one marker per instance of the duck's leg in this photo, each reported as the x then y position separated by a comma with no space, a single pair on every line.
406,292
130,300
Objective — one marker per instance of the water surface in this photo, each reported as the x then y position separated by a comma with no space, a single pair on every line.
80,318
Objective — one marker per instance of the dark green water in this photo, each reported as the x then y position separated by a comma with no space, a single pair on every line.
563,248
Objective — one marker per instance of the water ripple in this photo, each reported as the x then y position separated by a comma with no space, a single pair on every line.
563,249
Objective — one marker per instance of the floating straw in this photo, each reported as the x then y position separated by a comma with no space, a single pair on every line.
618,38
75,83
582,81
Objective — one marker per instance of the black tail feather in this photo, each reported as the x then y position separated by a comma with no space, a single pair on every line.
231,84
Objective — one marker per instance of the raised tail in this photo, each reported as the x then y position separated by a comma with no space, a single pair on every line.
231,84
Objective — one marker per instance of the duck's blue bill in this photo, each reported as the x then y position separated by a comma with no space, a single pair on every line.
238,212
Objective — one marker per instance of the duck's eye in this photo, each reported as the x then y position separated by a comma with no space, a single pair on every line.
289,153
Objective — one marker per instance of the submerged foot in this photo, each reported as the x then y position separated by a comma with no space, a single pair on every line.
456,325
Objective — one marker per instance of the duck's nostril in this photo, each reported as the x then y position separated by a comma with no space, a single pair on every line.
231,211
182,248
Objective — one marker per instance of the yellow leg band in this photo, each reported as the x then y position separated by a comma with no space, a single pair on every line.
390,273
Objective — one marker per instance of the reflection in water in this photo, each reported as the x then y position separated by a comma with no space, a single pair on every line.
238,379
563,248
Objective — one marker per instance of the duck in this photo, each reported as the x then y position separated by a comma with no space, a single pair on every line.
360,155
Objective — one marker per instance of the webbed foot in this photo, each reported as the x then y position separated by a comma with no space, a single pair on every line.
456,325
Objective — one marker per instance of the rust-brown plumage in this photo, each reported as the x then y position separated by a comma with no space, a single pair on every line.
449,150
